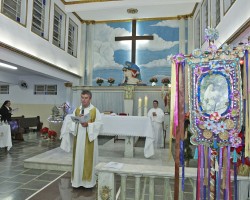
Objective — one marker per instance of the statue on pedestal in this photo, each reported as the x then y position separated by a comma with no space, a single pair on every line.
132,74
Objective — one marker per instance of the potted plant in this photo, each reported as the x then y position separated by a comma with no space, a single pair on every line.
153,80
165,81
52,135
111,81
99,81
44,132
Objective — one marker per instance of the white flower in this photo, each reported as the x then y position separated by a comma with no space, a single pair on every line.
221,126
209,124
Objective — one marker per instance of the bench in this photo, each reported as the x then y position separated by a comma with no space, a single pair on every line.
29,122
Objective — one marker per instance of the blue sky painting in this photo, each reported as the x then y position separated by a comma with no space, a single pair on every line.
151,56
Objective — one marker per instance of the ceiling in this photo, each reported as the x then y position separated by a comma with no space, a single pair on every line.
116,10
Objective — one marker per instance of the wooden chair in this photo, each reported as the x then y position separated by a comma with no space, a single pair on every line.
116,137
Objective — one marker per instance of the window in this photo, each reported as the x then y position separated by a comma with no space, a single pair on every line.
45,90
72,38
59,28
204,19
217,12
4,89
15,9
197,31
40,18
228,4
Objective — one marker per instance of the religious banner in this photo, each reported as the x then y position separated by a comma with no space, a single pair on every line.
218,114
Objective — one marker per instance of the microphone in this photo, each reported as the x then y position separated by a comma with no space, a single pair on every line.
82,112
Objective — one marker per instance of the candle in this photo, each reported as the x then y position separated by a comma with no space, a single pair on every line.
139,102
146,101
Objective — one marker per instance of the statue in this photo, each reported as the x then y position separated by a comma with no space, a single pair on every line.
132,74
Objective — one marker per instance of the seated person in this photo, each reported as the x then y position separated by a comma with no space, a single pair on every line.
157,116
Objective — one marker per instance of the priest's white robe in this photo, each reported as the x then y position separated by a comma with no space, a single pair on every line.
93,130
157,126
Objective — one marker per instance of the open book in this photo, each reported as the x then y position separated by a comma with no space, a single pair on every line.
81,119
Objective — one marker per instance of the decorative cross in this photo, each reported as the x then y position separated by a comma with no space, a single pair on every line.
134,37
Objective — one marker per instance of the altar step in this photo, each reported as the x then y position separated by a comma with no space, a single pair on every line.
57,159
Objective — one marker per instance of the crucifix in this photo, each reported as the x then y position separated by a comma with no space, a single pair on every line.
133,38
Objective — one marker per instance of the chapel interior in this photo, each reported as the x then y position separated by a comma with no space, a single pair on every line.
50,50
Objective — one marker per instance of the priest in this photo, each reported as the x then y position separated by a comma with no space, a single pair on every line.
85,144
157,116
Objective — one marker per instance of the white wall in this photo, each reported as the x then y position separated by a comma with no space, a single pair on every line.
231,21
21,37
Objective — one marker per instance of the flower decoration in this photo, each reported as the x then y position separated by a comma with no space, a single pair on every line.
165,80
215,116
111,80
179,58
211,34
44,130
153,79
99,80
52,134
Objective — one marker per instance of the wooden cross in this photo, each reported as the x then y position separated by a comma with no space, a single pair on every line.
134,37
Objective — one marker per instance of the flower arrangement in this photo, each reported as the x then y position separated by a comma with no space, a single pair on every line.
44,131
99,80
165,80
153,79
111,80
52,134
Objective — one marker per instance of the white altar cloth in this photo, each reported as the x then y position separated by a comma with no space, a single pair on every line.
5,136
136,126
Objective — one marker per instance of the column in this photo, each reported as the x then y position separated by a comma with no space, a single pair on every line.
190,35
89,53
151,188
182,35
167,189
82,53
128,99
106,186
137,186
129,147
123,186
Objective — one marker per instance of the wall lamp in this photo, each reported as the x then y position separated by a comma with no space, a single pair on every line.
7,66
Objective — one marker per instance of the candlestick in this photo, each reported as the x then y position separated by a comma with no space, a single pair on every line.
139,106
146,101
139,102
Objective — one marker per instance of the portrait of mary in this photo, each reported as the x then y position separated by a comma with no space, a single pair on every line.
214,94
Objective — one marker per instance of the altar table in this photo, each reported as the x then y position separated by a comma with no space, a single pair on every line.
130,126
5,136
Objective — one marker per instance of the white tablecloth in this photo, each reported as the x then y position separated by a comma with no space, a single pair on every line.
5,136
130,126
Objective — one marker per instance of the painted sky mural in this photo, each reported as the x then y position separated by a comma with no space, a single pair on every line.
151,56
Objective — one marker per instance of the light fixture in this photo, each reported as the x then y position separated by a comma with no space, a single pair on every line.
132,10
7,66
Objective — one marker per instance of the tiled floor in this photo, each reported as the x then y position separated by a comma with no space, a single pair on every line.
19,183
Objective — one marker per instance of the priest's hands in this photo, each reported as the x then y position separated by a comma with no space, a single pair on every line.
154,114
85,124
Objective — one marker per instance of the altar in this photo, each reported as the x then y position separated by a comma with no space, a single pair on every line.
5,136
131,127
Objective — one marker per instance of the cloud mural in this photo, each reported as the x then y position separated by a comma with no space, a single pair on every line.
110,55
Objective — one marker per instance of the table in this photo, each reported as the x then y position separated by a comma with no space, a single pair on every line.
130,126
5,136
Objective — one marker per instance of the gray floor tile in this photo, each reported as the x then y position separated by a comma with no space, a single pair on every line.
35,184
6,186
22,178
